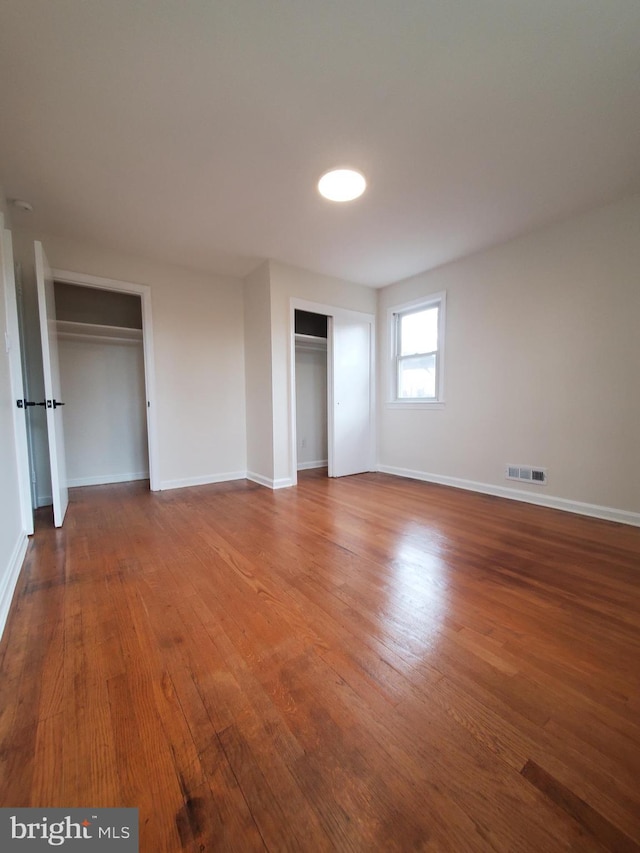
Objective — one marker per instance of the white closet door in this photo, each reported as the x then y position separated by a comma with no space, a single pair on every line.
53,394
350,425
17,386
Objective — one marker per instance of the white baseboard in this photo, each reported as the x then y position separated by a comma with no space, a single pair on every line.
44,500
608,513
259,479
9,578
282,483
104,479
306,466
206,480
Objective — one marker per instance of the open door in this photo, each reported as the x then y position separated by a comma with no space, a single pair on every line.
53,396
13,346
350,395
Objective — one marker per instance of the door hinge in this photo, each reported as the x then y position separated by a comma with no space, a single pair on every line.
26,404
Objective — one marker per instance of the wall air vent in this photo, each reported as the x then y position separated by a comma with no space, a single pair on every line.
526,473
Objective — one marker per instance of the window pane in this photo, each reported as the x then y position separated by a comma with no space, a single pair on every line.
419,331
417,377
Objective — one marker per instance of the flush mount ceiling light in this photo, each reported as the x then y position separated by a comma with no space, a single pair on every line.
342,185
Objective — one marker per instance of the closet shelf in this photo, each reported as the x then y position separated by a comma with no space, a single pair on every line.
93,331
310,342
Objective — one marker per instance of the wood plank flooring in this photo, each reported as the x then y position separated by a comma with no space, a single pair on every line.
368,664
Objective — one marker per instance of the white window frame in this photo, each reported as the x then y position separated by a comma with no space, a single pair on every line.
393,318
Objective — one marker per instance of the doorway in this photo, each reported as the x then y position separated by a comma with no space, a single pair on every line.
138,314
102,377
350,386
311,389
75,332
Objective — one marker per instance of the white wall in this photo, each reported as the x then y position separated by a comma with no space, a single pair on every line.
311,406
289,282
13,538
105,414
199,356
542,360
257,330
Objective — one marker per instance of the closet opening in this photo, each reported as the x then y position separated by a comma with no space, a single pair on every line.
102,375
337,406
311,369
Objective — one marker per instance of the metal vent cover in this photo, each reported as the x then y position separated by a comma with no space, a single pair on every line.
526,474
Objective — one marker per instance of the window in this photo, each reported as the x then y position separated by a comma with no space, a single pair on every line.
418,351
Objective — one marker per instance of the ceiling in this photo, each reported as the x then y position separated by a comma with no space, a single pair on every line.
194,131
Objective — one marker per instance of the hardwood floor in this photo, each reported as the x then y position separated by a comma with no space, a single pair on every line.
363,664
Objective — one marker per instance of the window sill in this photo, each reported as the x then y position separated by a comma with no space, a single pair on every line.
410,404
